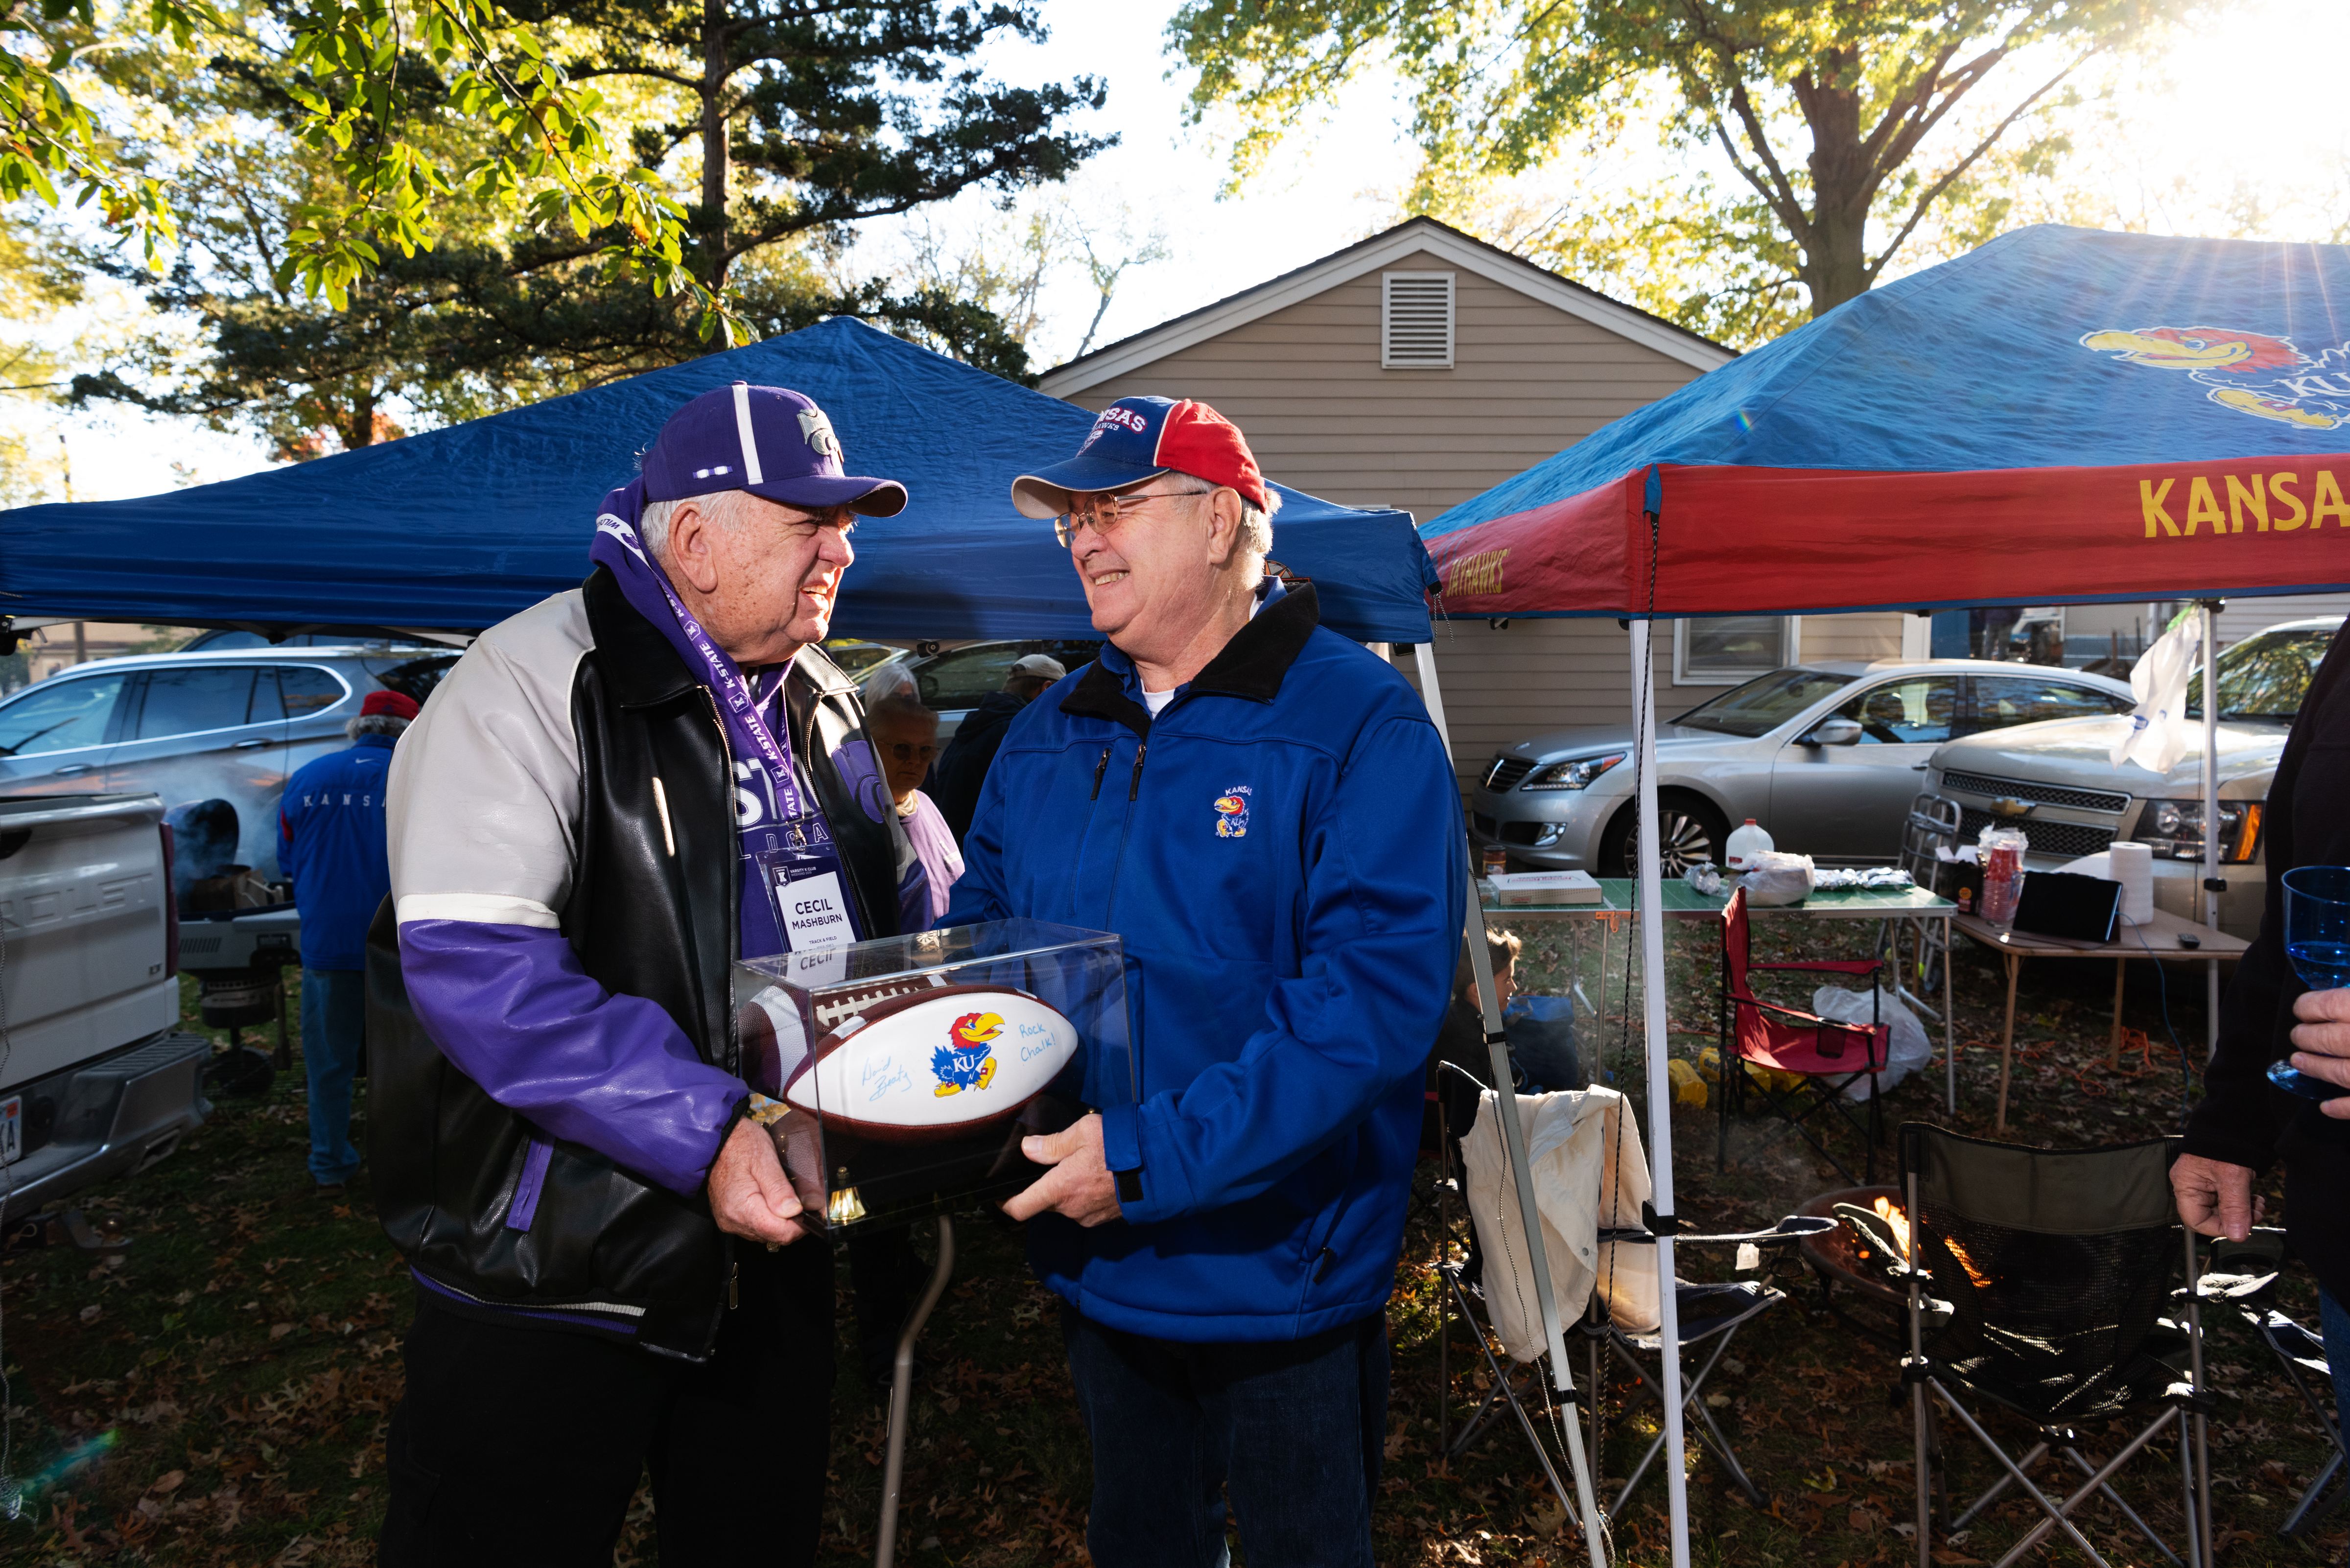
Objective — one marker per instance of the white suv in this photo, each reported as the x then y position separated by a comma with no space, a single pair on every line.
2054,780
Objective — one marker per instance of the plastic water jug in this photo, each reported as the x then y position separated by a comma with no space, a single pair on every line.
1745,843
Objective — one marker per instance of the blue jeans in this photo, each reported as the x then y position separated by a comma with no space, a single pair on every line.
1294,1432
334,1029
2334,1320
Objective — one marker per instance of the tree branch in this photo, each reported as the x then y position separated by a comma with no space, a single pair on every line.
1780,192
1933,194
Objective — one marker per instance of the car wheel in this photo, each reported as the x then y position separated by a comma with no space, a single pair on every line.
1688,831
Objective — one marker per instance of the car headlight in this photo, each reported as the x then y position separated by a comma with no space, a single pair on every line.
2174,830
1576,774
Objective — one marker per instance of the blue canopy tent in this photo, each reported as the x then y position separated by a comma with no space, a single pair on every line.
459,528
2063,415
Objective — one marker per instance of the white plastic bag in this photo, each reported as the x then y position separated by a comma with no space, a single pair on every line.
1906,1050
2158,733
1776,877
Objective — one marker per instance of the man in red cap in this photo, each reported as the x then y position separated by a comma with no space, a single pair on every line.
1264,814
331,842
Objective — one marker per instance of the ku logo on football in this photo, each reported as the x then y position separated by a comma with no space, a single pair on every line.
965,1061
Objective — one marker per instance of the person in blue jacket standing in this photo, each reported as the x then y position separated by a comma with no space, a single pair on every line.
331,841
1263,811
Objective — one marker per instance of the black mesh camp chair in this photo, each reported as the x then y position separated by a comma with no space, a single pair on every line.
2038,1282
1709,1316
2244,1275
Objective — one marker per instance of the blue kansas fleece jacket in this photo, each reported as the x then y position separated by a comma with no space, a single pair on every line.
333,845
1281,853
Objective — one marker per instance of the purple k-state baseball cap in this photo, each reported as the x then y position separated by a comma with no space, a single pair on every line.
770,440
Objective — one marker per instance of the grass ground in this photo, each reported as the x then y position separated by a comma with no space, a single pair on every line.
221,1396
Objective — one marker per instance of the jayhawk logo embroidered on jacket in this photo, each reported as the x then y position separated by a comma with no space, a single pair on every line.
1233,812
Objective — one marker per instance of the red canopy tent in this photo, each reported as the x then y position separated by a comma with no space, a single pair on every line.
2063,415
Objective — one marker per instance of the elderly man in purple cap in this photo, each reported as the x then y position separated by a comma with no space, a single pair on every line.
614,795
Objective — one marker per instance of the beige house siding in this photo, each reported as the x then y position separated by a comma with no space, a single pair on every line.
1305,383
2244,616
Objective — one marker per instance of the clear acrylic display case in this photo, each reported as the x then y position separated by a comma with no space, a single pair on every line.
899,1075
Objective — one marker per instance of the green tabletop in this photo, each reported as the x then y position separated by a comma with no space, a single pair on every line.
1680,899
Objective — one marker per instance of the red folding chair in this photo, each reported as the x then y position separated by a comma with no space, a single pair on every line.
1827,1056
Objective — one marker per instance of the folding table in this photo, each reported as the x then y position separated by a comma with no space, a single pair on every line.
2157,940
1682,902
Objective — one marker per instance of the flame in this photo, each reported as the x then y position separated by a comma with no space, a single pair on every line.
1891,1213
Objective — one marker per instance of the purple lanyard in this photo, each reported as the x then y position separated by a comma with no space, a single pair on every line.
725,678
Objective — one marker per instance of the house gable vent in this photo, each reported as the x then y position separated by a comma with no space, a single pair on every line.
1416,320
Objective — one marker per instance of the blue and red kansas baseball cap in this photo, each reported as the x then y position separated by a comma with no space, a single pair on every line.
1136,438
770,440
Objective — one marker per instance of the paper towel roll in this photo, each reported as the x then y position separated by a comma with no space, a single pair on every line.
2133,867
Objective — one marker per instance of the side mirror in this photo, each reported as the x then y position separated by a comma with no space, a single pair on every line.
1832,732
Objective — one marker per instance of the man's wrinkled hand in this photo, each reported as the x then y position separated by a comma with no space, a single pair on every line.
749,1193
2215,1198
1079,1185
2321,1042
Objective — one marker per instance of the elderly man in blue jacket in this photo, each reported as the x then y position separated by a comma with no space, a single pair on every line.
1262,810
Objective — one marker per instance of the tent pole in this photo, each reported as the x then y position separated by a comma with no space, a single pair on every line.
1514,1146
2211,818
1659,1088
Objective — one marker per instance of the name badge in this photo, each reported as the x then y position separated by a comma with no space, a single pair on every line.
803,881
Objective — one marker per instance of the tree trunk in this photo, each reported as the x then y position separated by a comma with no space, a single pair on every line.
358,424
1835,252
715,154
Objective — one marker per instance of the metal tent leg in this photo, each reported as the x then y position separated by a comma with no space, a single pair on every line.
902,1398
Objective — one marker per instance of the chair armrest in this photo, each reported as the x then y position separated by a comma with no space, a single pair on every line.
1786,1232
1828,966
1872,1228
1472,1079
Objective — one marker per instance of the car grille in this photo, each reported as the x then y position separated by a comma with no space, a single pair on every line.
1506,772
1522,832
2039,794
2066,838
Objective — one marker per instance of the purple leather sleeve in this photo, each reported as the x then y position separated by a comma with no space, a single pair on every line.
510,1006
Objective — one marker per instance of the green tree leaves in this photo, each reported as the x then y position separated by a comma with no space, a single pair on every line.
1848,127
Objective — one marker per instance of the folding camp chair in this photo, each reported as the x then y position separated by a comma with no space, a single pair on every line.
2244,1275
1827,1056
2049,1272
1932,826
1710,1317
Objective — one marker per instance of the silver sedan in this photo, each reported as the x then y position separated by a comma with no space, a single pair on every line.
1826,756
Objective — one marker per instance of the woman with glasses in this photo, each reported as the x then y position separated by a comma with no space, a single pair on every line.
906,733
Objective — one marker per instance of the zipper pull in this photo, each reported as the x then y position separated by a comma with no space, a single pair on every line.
733,1287
1134,786
1100,768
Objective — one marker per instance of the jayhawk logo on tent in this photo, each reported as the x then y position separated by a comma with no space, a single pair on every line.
965,1061
2249,372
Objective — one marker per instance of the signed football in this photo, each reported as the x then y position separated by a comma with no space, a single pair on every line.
933,1064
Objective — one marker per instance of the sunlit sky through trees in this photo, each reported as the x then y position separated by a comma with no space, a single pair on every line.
2234,131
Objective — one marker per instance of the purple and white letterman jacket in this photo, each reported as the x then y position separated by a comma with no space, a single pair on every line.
555,1062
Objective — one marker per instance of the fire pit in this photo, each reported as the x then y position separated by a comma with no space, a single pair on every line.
1850,1284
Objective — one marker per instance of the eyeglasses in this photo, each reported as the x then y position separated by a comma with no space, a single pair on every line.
1104,514
907,752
